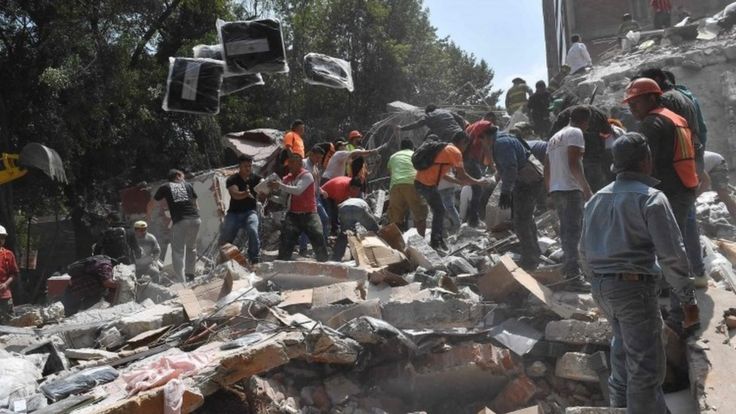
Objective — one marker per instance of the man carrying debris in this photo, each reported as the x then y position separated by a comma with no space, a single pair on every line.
338,164
8,273
181,200
403,195
629,232
337,190
352,211
475,158
117,241
539,110
517,96
147,263
441,122
433,160
243,210
578,57
522,179
567,187
716,179
90,279
301,216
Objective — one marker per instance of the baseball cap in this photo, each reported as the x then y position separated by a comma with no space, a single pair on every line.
628,150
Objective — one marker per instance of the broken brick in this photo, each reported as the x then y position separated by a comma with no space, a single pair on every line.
517,393
576,366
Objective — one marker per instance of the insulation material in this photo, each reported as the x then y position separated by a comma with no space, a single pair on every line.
327,71
252,46
193,86
230,83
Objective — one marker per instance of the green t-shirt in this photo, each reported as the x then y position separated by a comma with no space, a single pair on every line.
402,170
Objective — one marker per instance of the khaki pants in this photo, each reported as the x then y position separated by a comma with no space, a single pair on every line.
404,197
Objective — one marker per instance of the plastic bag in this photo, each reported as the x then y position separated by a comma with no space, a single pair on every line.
253,46
17,375
78,383
173,396
193,86
208,52
328,71
230,83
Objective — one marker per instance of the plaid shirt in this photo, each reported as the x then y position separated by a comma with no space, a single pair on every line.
89,284
661,5
8,269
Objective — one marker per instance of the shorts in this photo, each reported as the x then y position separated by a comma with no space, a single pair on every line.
719,177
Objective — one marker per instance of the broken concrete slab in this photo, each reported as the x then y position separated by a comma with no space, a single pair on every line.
303,275
421,254
266,395
155,292
459,266
88,354
339,388
335,316
124,275
435,314
576,332
576,366
152,318
338,293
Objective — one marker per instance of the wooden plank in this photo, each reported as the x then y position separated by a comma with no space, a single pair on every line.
191,303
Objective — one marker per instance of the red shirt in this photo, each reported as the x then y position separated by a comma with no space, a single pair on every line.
338,189
476,150
661,5
8,269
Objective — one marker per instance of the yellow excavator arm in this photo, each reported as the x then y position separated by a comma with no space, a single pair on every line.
11,170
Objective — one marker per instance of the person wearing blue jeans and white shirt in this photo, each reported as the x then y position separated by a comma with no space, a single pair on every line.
566,185
243,210
630,238
351,212
447,187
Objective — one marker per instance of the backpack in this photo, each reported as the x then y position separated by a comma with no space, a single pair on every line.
683,159
115,244
88,265
423,157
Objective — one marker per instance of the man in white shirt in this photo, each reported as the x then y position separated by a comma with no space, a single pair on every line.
566,184
716,179
336,167
578,57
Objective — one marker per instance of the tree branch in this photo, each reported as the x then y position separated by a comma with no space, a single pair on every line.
135,58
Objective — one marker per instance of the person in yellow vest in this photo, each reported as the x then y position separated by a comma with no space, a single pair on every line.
517,96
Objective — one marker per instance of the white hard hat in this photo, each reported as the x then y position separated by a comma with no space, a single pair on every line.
140,224
3,232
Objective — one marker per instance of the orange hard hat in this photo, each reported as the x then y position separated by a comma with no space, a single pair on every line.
641,86
355,134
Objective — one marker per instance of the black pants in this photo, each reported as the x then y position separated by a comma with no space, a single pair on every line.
294,225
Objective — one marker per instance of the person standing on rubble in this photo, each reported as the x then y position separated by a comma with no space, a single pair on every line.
475,159
662,13
539,110
301,216
578,57
352,211
313,164
517,96
568,189
147,263
293,140
8,273
441,122
630,236
426,181
522,180
673,155
403,195
524,131
181,200
243,210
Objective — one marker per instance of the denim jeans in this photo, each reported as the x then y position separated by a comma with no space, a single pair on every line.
323,218
569,207
637,350
184,243
448,200
434,200
349,217
525,196
682,205
293,226
248,221
474,169
691,237
595,175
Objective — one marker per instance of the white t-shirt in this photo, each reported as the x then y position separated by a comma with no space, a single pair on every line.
561,178
578,57
336,165
711,160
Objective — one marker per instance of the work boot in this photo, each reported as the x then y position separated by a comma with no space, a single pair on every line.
439,246
576,284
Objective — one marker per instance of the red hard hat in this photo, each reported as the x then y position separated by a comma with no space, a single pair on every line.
355,134
641,86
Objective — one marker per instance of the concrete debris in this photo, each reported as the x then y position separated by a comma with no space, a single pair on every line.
579,332
421,254
576,366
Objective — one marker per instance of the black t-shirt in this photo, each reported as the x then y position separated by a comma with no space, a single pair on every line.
180,197
660,134
246,204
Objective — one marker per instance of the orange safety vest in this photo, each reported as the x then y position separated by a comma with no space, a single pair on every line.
684,152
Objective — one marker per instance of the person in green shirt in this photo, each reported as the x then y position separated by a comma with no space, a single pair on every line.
403,195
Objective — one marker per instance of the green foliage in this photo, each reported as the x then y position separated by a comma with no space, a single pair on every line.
86,77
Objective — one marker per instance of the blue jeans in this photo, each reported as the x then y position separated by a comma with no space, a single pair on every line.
637,351
522,210
434,200
247,220
349,217
691,238
323,218
448,200
569,207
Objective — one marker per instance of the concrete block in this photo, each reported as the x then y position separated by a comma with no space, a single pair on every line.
517,393
421,254
576,366
339,388
152,318
434,314
88,354
328,347
459,266
155,292
304,275
578,332
585,89
124,275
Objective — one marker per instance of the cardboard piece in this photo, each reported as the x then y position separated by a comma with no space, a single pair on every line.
190,303
391,234
497,284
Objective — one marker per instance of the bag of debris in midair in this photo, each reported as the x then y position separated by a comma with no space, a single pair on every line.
193,86
255,46
327,71
230,83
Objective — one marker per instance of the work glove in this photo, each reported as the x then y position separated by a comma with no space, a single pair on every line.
692,319
505,201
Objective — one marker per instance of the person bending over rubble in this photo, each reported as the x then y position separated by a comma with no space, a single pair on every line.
301,213
629,232
335,192
475,159
352,211
90,279
8,272
716,179
147,263
403,195
441,122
